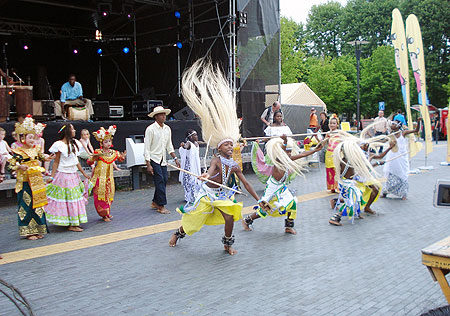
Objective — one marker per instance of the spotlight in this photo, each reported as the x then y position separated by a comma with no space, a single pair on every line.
75,51
104,13
179,44
129,15
104,7
26,47
99,51
177,14
126,50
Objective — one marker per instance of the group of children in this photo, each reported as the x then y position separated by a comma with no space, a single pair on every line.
60,198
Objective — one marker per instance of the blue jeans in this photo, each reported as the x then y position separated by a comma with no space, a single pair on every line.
160,179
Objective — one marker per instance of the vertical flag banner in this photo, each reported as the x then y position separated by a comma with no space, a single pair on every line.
415,48
398,38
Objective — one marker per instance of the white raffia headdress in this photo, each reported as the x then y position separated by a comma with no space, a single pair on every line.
279,157
207,93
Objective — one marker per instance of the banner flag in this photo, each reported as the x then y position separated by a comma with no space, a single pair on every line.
416,55
398,38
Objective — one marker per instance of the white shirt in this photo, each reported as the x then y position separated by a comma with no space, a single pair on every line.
381,124
263,115
158,140
278,131
67,163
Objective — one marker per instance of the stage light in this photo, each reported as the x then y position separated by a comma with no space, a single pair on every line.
99,51
75,51
177,14
126,50
104,13
129,15
26,47
179,44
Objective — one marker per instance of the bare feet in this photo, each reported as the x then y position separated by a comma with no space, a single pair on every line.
333,203
333,191
231,251
246,227
154,205
162,210
106,219
384,195
32,237
290,230
359,216
173,240
40,236
1,257
75,228
404,198
369,210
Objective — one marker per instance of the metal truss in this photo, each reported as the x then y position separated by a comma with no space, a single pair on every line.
10,27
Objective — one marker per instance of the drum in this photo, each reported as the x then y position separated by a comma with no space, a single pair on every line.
4,103
24,100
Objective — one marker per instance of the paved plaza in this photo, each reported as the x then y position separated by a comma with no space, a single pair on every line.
125,267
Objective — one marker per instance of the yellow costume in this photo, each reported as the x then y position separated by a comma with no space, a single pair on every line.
30,186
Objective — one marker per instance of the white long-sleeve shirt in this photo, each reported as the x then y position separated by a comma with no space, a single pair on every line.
158,140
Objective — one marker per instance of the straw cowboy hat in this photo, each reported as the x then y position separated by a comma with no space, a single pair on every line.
158,110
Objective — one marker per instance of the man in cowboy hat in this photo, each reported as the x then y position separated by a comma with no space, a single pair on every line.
158,140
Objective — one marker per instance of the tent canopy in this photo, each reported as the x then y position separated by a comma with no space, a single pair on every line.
295,94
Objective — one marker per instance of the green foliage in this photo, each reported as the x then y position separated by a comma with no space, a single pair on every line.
330,69
292,57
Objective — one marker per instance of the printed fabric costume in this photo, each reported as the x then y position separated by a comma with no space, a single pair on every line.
329,164
210,201
103,174
396,171
67,197
190,160
280,199
30,187
352,198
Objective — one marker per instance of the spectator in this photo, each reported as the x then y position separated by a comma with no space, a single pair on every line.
400,117
267,115
381,124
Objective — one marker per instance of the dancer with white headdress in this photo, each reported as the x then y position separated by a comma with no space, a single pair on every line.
396,171
277,199
207,93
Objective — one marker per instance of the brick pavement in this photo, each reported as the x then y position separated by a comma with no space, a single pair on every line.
370,268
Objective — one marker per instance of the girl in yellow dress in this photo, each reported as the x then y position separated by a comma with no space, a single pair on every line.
207,93
103,176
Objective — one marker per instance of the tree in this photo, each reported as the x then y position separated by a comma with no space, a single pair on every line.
292,57
380,82
323,29
328,79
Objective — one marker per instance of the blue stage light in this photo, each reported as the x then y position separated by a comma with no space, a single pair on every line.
99,51
126,50
179,45
177,14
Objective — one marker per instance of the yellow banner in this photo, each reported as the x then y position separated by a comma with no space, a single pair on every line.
398,38
415,48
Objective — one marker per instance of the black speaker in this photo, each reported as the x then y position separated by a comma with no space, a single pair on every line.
101,109
184,114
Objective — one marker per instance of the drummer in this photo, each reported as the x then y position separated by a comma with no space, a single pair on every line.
72,95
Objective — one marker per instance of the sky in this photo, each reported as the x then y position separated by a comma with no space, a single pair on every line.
298,9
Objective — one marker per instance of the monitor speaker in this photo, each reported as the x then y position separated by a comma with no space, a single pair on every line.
184,114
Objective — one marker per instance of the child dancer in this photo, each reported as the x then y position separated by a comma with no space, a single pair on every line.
207,93
86,148
350,161
277,199
396,171
66,193
333,140
30,186
5,152
103,176
190,160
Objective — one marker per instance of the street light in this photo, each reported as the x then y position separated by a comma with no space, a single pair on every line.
357,45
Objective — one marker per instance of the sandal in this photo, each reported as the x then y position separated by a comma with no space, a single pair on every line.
335,220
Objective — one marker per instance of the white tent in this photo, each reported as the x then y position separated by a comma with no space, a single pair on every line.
295,94
296,101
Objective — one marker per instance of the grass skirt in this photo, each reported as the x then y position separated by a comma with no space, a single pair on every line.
66,200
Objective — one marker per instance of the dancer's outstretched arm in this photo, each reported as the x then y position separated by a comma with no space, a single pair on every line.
246,184
416,130
307,153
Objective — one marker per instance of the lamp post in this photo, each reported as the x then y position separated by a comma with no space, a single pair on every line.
357,45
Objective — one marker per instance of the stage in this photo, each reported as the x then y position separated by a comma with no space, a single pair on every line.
124,130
